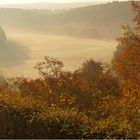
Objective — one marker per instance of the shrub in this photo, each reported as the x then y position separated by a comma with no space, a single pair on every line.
27,117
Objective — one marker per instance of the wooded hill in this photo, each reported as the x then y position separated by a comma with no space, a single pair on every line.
96,21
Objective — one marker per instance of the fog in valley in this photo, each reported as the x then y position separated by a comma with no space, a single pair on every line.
72,35
72,51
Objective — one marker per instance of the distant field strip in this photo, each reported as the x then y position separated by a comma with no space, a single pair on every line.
72,51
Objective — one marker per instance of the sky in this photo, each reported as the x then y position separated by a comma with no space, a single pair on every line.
56,1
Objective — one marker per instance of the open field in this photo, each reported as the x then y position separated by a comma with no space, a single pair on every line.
72,51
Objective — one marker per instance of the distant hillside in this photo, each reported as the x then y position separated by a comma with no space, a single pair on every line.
96,21
50,6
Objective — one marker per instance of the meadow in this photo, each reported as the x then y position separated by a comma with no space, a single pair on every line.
72,51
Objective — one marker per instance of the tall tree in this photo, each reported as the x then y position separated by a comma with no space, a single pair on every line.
126,61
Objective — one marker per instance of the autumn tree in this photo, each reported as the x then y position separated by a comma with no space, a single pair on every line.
93,71
126,61
49,68
90,83
55,81
126,65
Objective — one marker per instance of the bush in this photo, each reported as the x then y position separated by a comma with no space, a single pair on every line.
113,128
20,117
26,117
67,124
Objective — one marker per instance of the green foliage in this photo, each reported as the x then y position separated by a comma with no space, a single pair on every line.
27,117
67,124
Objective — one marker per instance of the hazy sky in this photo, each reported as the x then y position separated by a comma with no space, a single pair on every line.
56,1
